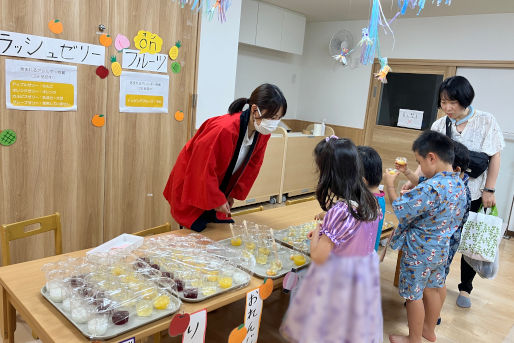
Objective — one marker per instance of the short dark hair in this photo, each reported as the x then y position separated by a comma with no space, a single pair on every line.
267,97
371,164
461,156
434,142
456,88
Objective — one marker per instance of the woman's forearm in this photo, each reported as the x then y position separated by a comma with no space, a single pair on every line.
493,170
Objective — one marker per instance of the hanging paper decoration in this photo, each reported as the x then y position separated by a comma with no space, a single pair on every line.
238,334
98,120
55,26
7,137
102,72
377,18
115,66
179,324
121,42
221,7
174,50
266,289
212,7
105,40
341,58
384,70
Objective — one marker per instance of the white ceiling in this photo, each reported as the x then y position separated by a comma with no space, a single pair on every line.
338,10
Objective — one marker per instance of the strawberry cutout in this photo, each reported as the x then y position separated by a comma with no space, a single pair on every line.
102,72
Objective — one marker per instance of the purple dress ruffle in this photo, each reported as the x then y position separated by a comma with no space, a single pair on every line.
339,301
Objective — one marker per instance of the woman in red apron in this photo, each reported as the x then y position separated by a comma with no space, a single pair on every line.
221,162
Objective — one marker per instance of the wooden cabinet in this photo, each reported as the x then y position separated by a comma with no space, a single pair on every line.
293,32
271,27
248,29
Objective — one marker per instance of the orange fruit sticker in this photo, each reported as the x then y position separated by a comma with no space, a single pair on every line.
55,26
179,115
98,120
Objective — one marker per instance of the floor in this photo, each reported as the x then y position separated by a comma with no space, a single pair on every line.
490,319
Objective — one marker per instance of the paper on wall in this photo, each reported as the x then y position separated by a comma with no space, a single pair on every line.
410,118
133,59
40,86
143,92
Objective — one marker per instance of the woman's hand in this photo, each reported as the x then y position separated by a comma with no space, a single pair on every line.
488,199
225,208
230,201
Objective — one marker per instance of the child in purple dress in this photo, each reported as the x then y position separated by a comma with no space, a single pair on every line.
339,297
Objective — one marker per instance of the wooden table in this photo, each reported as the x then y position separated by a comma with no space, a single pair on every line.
22,284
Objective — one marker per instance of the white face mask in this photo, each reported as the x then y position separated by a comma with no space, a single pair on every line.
267,126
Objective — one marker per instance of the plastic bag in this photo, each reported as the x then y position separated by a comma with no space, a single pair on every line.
486,270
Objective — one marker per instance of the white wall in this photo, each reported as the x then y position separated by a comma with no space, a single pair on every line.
340,95
257,65
217,64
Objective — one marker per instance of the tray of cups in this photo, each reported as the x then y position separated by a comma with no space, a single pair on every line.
272,260
197,274
295,236
102,304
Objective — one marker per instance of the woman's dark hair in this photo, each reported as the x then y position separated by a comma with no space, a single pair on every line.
456,88
461,156
434,142
340,178
267,97
371,164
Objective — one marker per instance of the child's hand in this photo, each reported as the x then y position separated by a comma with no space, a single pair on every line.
388,179
315,232
320,216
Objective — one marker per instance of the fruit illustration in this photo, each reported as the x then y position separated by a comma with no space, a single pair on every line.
174,50
121,42
179,116
98,120
105,40
238,334
102,72
178,324
175,67
266,288
55,26
7,137
115,66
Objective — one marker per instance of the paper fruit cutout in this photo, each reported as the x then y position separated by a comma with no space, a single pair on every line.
55,26
179,115
7,137
178,324
238,334
290,281
145,41
102,72
115,66
121,42
266,288
175,67
98,120
174,50
105,40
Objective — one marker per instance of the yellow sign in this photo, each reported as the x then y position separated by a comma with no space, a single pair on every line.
137,100
41,94
145,41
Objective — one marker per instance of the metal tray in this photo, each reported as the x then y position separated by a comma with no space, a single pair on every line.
260,269
281,235
116,330
219,290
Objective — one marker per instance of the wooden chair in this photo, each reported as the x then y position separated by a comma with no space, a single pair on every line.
299,200
248,210
11,232
154,230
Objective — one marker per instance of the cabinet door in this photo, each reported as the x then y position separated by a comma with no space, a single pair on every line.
248,29
293,32
269,26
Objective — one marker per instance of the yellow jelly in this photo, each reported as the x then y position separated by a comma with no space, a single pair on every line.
264,250
212,278
236,241
161,302
261,259
299,260
144,309
271,272
225,282
206,291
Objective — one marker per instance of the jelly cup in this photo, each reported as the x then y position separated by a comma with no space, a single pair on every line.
402,161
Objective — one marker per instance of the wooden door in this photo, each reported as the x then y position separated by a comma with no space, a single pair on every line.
57,162
141,148
388,139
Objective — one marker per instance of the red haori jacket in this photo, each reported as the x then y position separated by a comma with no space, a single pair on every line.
194,183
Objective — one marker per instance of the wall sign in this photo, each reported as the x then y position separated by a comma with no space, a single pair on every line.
132,59
410,118
40,86
44,48
143,92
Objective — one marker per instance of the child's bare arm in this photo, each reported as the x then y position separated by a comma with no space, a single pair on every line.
321,246
409,174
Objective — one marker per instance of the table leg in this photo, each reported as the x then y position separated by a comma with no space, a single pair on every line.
397,272
3,314
11,321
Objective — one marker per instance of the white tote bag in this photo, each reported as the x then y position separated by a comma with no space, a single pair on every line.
481,235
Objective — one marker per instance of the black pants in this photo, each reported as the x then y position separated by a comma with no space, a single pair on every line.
467,273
